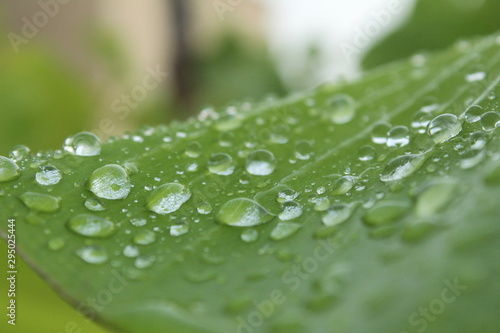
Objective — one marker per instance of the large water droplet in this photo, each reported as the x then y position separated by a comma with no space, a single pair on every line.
168,198
398,136
48,175
291,210
386,212
243,212
41,202
8,170
490,120
145,237
261,163
434,198
110,182
19,153
402,166
444,127
341,109
91,226
473,113
93,255
337,214
284,230
83,144
221,164
204,208
343,185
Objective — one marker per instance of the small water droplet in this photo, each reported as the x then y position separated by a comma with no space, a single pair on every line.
473,113
221,164
93,255
379,133
337,214
110,182
56,244
145,237
287,194
367,153
490,120
193,149
472,158
168,198
204,208
8,170
398,136
421,119
402,166
179,230
130,251
19,153
249,235
91,226
41,202
48,175
386,212
242,212
83,144
261,163
321,204
303,150
291,210
341,109
138,222
444,127
284,230
144,262
94,205
474,77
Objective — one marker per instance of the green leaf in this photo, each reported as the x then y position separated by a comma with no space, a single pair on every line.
435,25
366,207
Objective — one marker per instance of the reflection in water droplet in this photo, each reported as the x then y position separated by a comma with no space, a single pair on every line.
179,230
303,150
243,212
8,170
402,166
94,205
145,237
48,175
19,153
110,182
366,153
91,226
473,114
386,212
221,164
249,235
337,214
41,202
343,185
168,198
490,120
193,149
398,136
444,127
93,255
341,109
478,140
261,163
291,210
287,194
284,230
83,144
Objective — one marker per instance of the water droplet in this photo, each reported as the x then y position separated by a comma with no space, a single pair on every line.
138,222
341,109
421,119
56,244
303,150
93,255
343,185
94,205
193,149
472,158
444,127
41,202
287,194
228,123
478,140
179,230
110,182
249,235
402,166
337,214
243,212
144,262
291,210
366,153
474,77
221,164
145,237
48,175
284,230
8,170
398,136
91,226
168,198
386,212
130,251
490,120
261,163
435,197
204,208
83,144
321,204
473,114
379,133
19,153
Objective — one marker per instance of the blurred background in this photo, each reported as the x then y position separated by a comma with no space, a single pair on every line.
109,66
